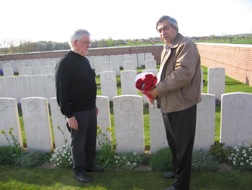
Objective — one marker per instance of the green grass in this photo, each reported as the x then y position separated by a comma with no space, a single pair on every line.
48,179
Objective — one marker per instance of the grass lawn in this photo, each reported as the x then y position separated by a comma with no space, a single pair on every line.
47,179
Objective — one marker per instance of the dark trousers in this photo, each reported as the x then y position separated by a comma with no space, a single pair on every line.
84,140
180,132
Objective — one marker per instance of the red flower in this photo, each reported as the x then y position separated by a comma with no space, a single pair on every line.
145,82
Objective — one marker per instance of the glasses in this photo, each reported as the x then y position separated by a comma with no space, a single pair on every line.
85,43
163,29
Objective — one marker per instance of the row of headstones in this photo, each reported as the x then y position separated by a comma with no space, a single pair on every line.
29,66
44,85
236,119
99,63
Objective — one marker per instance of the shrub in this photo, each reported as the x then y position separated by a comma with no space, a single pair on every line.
204,161
161,160
106,153
129,160
220,152
241,157
9,154
32,158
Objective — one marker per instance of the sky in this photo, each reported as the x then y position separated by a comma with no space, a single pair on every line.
56,20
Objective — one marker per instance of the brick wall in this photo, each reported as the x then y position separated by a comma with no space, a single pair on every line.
236,59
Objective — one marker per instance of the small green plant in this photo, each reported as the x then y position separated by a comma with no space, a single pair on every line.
9,154
220,152
129,160
106,153
241,157
161,160
32,158
62,157
204,161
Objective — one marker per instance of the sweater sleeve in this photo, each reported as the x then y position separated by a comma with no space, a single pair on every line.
63,81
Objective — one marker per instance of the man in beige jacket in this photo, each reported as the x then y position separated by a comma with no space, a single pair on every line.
177,93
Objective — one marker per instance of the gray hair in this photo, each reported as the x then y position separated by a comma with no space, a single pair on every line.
77,35
172,21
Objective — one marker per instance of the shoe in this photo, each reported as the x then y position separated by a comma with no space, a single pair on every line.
94,169
169,175
170,188
83,177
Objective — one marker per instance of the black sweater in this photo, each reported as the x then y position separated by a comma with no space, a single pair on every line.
75,84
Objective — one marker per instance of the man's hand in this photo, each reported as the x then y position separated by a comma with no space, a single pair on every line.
154,93
72,123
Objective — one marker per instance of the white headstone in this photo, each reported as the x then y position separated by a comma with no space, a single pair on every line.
26,71
129,126
38,85
108,84
10,87
9,121
150,64
205,124
60,131
50,90
216,81
157,130
8,72
37,124
23,87
103,117
128,82
236,118
140,59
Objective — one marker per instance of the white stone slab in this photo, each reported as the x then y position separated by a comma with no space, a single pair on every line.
128,82
103,117
2,94
38,85
116,64
8,72
60,131
37,124
205,124
129,65
23,87
9,119
236,118
157,130
150,64
50,90
140,59
216,81
108,84
26,71
129,128
10,87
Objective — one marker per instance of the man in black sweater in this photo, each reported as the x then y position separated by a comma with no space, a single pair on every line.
76,96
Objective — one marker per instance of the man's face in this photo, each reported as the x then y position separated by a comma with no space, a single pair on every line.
82,45
166,32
